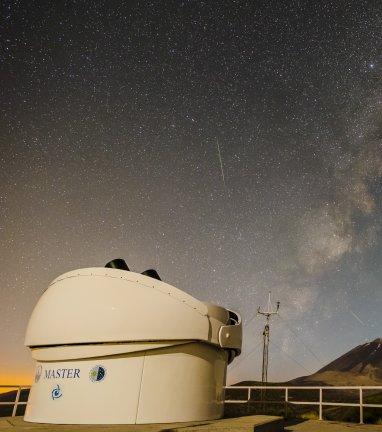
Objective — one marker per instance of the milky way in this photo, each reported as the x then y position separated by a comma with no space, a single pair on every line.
235,146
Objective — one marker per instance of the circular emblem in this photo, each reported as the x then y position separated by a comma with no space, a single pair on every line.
38,374
56,392
97,373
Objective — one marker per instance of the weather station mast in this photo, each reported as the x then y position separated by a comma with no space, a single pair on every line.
266,333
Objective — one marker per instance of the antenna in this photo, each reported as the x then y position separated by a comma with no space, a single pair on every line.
268,313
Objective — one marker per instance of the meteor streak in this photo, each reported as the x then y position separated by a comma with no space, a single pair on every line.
357,317
221,163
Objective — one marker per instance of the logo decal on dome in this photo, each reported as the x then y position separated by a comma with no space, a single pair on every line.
38,374
56,392
97,373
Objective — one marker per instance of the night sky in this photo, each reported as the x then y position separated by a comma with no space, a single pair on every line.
234,146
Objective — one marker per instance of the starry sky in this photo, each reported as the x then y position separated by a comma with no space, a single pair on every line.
235,146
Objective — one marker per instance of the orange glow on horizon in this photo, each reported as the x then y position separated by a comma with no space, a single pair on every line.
15,379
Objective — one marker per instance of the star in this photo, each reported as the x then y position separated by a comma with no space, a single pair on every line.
236,149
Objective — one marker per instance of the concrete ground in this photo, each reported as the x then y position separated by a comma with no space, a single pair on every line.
327,426
239,424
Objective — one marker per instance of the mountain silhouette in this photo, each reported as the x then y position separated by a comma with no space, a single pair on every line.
360,366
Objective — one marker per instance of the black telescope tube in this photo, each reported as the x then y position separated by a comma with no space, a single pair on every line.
151,273
117,263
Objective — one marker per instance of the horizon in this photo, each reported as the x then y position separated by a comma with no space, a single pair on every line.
27,379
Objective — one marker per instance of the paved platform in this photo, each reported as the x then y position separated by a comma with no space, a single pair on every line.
256,423
240,424
328,426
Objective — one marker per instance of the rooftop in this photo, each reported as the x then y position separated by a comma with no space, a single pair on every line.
242,424
257,423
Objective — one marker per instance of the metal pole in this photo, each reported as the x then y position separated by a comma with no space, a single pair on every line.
14,411
286,402
320,406
360,406
264,370
267,313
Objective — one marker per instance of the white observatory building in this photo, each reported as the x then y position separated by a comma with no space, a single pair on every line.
117,347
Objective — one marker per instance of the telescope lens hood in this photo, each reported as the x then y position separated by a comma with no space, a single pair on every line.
151,273
118,263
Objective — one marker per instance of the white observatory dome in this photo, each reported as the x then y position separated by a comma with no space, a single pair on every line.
114,346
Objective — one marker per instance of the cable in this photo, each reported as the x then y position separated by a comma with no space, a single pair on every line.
281,350
244,358
298,337
292,358
249,321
